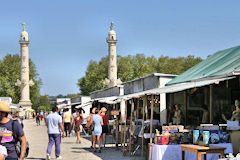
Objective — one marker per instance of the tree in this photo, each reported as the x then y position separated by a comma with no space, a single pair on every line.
44,108
133,67
44,101
10,72
73,95
61,96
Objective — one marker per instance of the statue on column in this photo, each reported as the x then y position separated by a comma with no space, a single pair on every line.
23,25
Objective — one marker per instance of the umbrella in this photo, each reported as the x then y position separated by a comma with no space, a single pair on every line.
29,110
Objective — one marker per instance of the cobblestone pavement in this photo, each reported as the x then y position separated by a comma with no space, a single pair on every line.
38,140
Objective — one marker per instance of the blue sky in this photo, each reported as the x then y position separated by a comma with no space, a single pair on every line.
66,34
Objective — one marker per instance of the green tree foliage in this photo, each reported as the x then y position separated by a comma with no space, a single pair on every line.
44,101
44,108
133,67
73,95
10,72
61,96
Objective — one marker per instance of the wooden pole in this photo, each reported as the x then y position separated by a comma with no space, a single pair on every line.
116,128
146,108
137,112
185,107
144,104
211,102
125,126
130,137
151,125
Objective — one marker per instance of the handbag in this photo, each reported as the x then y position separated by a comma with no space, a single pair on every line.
92,126
88,125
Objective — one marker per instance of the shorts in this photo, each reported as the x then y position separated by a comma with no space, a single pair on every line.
78,128
104,129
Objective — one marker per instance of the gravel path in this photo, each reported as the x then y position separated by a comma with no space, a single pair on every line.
38,139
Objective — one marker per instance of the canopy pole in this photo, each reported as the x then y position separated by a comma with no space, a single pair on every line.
130,137
117,127
185,107
143,108
211,102
151,125
137,112
125,126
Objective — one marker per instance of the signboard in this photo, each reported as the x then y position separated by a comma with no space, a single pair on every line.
115,112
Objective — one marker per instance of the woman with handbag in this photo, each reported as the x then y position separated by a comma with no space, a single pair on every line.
89,124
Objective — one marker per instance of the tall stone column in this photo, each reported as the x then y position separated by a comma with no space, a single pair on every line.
25,83
112,55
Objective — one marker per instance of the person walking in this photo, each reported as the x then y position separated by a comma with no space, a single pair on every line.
14,128
77,125
89,124
98,122
54,125
105,126
41,115
74,115
38,119
67,120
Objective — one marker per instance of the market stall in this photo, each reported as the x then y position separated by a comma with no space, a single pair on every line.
173,152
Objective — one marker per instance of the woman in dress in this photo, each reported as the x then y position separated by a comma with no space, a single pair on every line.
90,124
77,125
98,122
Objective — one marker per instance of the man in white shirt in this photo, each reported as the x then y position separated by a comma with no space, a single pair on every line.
54,124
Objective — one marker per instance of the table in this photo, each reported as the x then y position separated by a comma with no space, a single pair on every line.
199,150
174,152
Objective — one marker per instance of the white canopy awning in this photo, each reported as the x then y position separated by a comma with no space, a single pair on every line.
174,88
84,104
108,100
14,106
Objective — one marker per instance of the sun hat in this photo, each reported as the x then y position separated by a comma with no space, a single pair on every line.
4,107
103,109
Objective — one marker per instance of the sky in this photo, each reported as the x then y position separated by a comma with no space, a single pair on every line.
66,34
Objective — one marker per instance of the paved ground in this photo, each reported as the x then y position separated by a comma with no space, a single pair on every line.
38,139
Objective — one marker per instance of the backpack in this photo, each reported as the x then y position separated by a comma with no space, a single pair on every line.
18,143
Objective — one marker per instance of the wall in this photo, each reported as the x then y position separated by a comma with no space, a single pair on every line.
141,84
108,92
163,104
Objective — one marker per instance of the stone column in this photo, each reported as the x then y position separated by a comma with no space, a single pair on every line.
112,66
24,83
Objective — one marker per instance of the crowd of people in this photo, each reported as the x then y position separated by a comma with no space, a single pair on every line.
67,124
58,125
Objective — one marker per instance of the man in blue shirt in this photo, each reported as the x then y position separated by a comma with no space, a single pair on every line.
54,124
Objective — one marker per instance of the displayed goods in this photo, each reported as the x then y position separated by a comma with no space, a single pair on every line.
195,136
173,128
157,137
214,138
206,136
186,138
163,140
